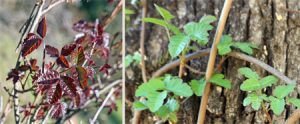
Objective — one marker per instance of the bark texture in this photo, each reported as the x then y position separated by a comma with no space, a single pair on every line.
274,25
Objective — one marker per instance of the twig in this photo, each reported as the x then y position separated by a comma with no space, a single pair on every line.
212,59
111,85
47,115
51,6
142,42
113,14
194,70
5,112
103,104
267,113
295,117
175,63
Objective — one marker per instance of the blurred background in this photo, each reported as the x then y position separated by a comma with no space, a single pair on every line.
14,13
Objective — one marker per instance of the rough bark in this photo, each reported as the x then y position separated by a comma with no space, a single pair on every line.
274,25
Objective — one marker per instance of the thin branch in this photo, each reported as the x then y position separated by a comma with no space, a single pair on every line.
5,112
194,70
295,117
142,42
51,6
113,15
212,59
111,85
47,115
103,104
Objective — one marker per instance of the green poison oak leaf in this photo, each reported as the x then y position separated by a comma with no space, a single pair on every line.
295,102
198,86
218,79
224,45
254,83
155,100
179,88
250,85
173,117
139,106
254,100
168,110
267,81
147,88
247,72
177,44
31,43
277,105
80,56
199,31
128,60
163,23
164,13
283,91
82,76
245,47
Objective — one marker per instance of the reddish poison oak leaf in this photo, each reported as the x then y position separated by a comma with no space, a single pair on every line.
33,65
70,85
52,51
55,97
49,77
104,52
14,73
80,56
62,61
77,100
105,68
82,76
31,42
68,49
59,110
42,28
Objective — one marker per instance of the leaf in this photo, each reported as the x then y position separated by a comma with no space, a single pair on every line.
68,49
137,57
139,106
218,80
164,13
147,88
282,91
104,52
52,51
163,23
250,85
82,76
56,95
224,45
47,78
59,110
173,117
199,31
295,102
81,56
254,100
245,47
155,21
155,100
70,85
247,72
198,86
105,68
208,19
277,105
179,88
172,104
128,60
62,61
31,43
163,112
42,28
268,81
177,44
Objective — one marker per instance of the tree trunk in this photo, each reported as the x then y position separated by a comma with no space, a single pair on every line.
274,25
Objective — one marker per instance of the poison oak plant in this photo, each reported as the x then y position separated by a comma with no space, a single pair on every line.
163,95
68,84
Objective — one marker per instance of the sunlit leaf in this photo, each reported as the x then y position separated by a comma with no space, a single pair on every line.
82,76
31,43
